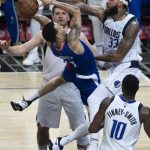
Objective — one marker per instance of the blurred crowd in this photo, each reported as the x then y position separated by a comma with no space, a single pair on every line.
10,19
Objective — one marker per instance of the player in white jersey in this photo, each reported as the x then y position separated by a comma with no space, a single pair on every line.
66,95
119,48
120,42
122,117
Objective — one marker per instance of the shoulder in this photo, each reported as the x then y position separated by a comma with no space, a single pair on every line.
132,22
105,103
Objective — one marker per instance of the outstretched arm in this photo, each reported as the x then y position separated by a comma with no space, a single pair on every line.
145,119
22,49
97,11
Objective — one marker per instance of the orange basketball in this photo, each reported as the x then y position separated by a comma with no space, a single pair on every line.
27,8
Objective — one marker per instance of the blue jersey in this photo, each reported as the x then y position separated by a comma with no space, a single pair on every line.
11,19
80,69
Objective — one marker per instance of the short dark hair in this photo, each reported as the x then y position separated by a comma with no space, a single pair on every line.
49,32
130,84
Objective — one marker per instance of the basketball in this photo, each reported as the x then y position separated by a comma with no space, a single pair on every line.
27,8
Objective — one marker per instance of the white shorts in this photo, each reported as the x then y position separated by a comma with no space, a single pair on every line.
95,99
115,76
50,106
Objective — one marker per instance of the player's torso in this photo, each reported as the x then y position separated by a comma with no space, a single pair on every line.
52,66
113,34
84,63
122,125
81,69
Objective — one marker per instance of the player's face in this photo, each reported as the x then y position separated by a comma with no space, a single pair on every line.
112,7
61,17
111,3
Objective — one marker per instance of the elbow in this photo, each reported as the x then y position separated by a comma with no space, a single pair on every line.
76,10
117,58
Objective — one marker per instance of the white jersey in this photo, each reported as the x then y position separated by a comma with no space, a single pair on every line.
52,66
113,34
122,125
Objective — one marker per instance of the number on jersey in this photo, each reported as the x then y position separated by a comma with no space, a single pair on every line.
118,129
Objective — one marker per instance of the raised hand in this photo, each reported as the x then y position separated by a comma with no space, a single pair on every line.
4,44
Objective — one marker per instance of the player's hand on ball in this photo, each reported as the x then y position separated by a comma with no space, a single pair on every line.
20,106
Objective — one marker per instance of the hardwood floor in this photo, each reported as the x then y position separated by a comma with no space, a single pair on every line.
18,129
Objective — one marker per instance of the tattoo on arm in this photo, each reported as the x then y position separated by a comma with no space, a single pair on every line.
128,40
97,11
74,34
124,45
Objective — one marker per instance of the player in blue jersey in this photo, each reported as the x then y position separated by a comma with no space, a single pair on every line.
80,68
11,19
122,117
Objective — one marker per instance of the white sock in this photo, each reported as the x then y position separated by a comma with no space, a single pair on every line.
80,131
27,101
33,97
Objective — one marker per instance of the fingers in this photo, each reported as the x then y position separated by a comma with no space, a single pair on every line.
3,44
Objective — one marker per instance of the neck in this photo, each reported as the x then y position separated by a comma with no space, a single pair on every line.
59,42
119,16
128,97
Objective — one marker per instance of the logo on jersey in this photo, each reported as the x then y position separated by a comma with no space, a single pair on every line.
117,84
112,32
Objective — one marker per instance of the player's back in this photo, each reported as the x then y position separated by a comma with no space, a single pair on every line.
122,125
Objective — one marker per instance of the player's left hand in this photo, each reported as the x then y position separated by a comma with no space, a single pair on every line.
4,44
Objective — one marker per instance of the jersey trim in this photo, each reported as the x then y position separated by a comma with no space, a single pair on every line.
125,27
129,102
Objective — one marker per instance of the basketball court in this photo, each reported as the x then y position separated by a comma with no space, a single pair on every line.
18,129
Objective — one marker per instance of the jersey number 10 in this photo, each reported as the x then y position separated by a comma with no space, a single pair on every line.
118,129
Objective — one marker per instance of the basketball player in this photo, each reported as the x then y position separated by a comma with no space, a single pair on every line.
120,47
66,95
80,68
122,117
120,44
